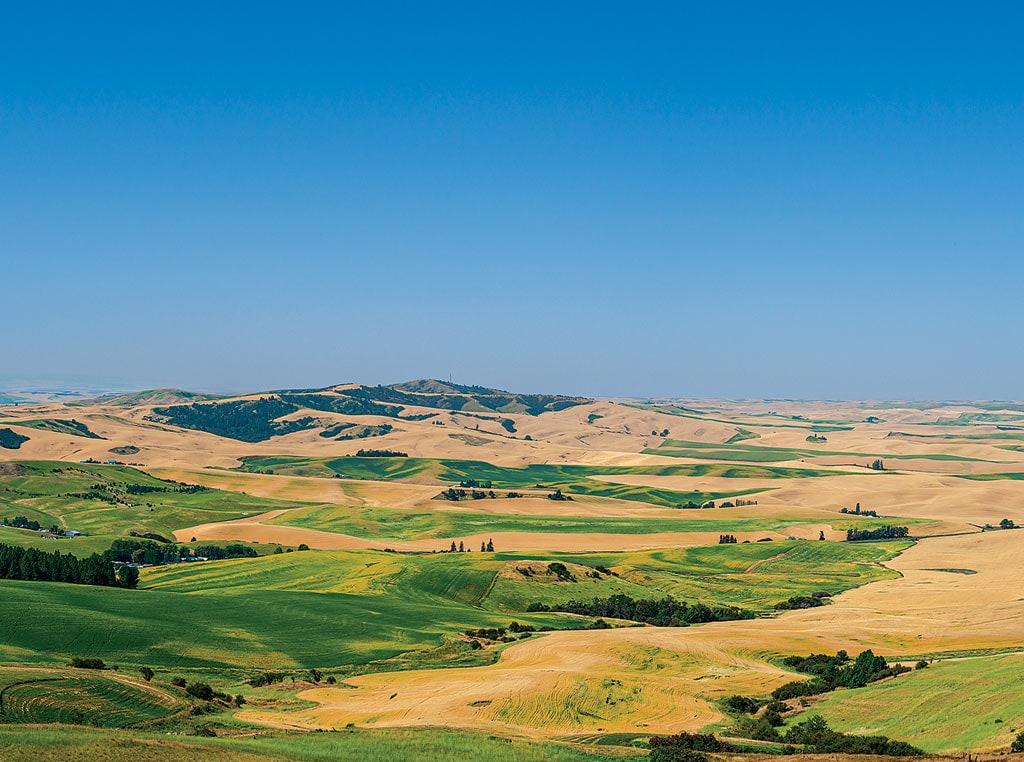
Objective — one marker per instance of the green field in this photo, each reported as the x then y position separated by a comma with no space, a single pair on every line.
82,697
951,706
57,744
97,500
347,609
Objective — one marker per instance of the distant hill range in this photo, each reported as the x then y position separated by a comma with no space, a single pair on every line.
152,397
255,418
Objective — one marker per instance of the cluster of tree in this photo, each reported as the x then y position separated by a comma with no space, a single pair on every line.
557,495
381,454
244,420
858,512
461,549
694,504
726,539
663,612
831,672
487,547
23,522
1004,524
882,533
11,440
266,678
145,489
150,553
79,662
816,438
501,633
813,734
476,483
36,565
802,602
662,433
686,747
816,736
561,572
146,552
877,465
217,553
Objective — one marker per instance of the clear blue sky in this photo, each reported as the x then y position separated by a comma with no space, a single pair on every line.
819,200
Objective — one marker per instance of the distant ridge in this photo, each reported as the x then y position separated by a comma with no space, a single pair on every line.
255,420
433,386
153,397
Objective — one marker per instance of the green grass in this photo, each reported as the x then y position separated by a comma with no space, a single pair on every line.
950,706
41,492
290,611
82,697
348,609
59,744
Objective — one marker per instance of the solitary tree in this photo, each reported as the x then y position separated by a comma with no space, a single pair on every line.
462,548
453,547
147,673
490,545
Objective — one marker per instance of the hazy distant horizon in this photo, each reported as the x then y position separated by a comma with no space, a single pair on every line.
812,201
110,388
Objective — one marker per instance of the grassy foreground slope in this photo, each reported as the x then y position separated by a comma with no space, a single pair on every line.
981,699
58,744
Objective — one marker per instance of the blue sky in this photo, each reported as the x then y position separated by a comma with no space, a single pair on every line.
815,200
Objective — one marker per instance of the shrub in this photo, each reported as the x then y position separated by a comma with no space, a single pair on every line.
741,704
200,691
80,663
1018,743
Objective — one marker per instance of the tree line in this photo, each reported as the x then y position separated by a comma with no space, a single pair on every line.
882,533
41,566
148,553
663,612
